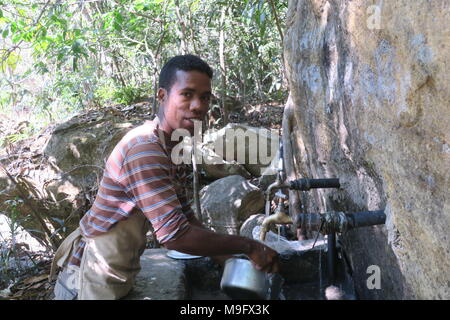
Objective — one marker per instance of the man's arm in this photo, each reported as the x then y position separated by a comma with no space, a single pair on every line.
217,259
145,174
200,241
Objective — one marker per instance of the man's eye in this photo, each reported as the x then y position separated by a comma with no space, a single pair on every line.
206,98
186,94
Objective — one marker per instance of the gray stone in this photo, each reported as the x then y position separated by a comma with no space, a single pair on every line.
245,141
249,224
228,202
63,166
161,278
203,274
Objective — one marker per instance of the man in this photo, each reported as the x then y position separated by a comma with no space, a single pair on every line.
141,186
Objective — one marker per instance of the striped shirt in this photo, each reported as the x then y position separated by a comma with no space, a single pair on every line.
139,175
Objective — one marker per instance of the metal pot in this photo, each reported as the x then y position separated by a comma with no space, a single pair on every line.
240,280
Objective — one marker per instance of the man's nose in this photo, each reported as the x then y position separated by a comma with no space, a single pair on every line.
196,105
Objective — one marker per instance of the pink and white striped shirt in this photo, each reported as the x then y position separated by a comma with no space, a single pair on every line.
139,175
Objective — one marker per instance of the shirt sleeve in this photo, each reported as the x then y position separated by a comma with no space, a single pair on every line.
145,175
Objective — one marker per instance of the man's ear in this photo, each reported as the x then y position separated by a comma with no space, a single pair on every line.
162,95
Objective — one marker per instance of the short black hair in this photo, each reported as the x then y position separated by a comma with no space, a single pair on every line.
186,62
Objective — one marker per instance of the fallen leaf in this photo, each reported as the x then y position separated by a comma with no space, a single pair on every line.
35,279
37,285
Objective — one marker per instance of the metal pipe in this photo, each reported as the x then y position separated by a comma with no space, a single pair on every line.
339,221
307,184
366,218
331,257
278,184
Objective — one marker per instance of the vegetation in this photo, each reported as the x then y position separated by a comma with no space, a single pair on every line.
61,57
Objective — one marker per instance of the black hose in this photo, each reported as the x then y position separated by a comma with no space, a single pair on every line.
306,184
331,258
366,218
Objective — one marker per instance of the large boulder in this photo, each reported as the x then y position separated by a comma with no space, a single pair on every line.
56,174
252,147
228,202
369,93
236,149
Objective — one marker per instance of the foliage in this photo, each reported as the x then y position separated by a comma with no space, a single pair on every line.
8,248
60,57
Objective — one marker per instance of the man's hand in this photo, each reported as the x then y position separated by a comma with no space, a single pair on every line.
203,242
264,258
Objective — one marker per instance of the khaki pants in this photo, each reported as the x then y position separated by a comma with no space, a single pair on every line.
109,264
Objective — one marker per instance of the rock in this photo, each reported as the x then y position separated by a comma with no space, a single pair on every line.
369,92
243,144
250,224
235,149
299,262
269,174
222,168
212,164
59,170
161,278
21,236
164,278
228,202
203,274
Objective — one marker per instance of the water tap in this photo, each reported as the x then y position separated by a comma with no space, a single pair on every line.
279,217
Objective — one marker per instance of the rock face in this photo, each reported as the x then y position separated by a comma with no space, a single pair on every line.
369,104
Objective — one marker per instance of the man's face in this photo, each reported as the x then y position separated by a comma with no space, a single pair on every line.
188,99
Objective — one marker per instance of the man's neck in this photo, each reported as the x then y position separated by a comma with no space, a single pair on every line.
164,132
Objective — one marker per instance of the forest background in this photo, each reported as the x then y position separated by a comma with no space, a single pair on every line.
58,58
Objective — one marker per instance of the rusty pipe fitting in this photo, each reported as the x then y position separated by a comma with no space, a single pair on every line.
279,217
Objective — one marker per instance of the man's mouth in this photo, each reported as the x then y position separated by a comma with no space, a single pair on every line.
193,119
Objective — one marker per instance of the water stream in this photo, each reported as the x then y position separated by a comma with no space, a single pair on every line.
320,272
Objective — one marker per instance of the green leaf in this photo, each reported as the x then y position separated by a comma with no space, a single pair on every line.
17,38
43,33
118,17
78,46
1,13
13,27
5,32
117,26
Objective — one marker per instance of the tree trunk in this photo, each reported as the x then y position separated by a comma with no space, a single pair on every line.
184,46
222,64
